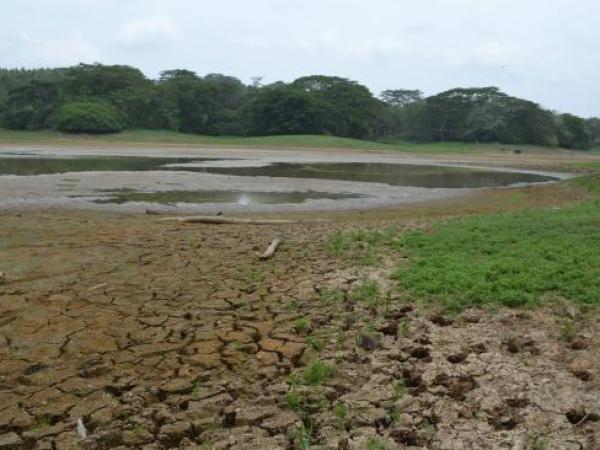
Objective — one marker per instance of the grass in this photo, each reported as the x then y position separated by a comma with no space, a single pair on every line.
293,399
341,414
317,373
512,259
301,325
361,247
367,292
289,141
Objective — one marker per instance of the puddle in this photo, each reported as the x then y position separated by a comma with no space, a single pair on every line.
46,166
423,176
215,196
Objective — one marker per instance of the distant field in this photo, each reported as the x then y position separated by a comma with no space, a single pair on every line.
290,141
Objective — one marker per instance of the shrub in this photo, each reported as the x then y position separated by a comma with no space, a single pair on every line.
88,117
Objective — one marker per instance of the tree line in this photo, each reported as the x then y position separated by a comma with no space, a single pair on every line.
96,98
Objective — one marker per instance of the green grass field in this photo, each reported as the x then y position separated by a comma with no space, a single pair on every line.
290,141
512,259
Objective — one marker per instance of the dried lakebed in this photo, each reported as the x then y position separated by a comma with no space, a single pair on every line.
158,336
251,184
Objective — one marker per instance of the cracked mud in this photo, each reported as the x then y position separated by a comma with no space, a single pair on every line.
159,336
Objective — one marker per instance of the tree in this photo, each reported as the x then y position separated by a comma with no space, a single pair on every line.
573,132
285,110
195,100
354,110
400,98
29,105
87,117
89,81
446,113
594,127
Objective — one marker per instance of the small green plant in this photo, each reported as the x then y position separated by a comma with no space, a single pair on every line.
568,331
315,342
377,443
316,373
367,292
405,328
340,411
400,389
538,444
301,325
42,423
293,399
198,387
139,429
396,414
331,295
300,437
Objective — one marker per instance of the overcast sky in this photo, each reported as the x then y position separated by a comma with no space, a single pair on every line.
544,50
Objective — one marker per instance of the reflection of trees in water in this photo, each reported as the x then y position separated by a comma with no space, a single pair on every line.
240,197
393,174
43,166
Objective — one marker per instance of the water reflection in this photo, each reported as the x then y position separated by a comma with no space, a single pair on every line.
52,165
220,196
423,176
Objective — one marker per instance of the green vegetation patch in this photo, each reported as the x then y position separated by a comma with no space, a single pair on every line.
508,259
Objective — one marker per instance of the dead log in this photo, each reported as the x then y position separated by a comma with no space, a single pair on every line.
271,249
227,220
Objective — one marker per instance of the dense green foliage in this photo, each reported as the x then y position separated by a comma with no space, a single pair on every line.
221,105
510,259
87,117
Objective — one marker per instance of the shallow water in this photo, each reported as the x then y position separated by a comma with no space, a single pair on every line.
45,166
249,182
425,176
215,196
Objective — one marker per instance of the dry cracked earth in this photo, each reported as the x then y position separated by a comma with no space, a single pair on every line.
158,335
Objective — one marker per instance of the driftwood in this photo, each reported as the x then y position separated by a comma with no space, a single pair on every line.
225,220
271,249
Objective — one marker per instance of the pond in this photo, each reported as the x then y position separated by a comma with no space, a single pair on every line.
236,184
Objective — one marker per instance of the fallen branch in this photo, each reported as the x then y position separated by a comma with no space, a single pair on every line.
225,220
271,249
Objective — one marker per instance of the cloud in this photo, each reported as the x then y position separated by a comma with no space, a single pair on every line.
61,51
149,31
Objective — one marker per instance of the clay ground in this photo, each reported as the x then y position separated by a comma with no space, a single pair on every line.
162,335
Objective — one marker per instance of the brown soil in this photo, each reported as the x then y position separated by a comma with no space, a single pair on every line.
161,335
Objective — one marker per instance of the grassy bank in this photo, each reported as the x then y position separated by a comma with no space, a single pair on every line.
513,259
132,137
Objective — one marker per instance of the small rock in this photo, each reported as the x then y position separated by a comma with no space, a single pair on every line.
172,434
281,422
369,342
10,441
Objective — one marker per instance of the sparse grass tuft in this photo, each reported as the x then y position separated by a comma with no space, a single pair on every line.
367,292
341,413
293,399
361,247
377,443
331,296
316,373
301,325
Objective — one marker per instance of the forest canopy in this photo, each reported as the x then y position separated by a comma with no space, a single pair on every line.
96,98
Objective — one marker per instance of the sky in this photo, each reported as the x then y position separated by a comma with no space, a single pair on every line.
544,50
